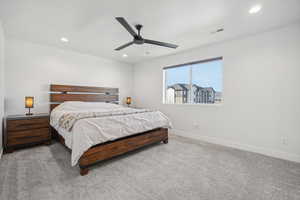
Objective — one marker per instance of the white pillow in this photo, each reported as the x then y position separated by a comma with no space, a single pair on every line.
86,106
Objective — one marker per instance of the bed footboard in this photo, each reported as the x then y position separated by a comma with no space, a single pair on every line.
111,149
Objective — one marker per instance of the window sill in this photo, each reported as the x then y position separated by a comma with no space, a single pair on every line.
192,104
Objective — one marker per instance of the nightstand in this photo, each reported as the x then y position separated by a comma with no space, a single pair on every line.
26,130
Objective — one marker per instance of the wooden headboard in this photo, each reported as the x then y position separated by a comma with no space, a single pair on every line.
61,93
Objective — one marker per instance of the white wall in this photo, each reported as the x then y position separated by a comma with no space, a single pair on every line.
1,83
31,68
261,111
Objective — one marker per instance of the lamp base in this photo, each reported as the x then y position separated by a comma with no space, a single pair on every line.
29,113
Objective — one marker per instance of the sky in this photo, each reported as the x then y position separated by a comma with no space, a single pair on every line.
207,74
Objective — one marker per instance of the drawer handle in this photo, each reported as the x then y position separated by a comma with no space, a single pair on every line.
36,136
22,125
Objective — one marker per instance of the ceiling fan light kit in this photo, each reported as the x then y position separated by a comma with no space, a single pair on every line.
137,38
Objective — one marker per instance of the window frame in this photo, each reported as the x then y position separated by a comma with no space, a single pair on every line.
190,82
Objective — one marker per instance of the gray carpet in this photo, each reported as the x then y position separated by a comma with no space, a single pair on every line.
184,169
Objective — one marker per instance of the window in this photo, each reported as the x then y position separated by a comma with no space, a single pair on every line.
194,83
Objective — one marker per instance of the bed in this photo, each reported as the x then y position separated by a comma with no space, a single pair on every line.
91,124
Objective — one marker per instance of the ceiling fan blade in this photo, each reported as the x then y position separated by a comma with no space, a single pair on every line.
174,46
126,26
124,46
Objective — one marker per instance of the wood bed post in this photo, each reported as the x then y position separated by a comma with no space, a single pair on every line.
166,141
84,171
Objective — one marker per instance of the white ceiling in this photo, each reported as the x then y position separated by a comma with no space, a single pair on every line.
91,27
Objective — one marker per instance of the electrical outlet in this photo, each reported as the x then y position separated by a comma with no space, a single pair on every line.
284,141
196,124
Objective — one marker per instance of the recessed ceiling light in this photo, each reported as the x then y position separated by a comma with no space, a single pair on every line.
255,9
125,55
64,39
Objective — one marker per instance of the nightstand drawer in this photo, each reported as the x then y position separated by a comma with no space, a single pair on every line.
28,140
29,136
25,124
28,133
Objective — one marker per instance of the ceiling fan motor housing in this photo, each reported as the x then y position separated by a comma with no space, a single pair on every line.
138,39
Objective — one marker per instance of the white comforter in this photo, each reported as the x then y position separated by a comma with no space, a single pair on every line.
88,132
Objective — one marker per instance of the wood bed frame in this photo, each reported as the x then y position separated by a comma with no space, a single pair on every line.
104,151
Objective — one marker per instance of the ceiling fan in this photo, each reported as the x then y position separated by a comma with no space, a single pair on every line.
137,38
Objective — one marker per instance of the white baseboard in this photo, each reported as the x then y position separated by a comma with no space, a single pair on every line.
269,152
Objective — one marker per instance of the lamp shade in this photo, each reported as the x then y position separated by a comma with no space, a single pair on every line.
128,100
29,101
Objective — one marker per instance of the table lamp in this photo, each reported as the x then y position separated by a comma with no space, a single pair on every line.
29,101
128,101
